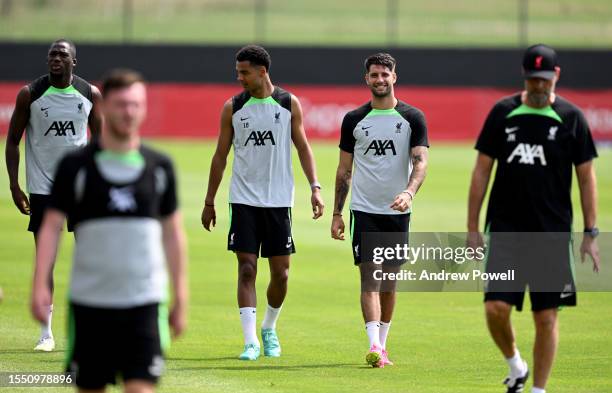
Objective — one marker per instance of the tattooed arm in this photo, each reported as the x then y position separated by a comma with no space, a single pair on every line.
419,156
343,184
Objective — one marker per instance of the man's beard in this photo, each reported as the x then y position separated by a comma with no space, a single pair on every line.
119,132
385,93
539,99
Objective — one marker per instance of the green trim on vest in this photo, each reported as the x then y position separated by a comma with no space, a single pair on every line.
527,110
383,112
67,90
268,100
131,158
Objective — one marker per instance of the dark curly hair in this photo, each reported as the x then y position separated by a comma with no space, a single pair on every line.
383,59
256,55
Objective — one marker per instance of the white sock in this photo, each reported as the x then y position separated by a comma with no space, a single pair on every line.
517,365
248,319
373,331
45,328
270,317
384,331
537,390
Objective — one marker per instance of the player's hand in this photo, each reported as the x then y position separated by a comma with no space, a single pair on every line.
317,203
178,319
209,216
474,240
589,246
21,200
41,301
402,202
337,227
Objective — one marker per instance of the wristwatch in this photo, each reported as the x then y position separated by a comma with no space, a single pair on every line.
592,232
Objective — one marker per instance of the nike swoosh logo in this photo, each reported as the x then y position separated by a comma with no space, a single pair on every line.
511,130
365,128
288,245
246,118
564,295
44,109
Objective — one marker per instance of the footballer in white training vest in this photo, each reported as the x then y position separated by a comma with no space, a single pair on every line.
261,124
54,112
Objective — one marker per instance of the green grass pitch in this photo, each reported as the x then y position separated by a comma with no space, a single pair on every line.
438,341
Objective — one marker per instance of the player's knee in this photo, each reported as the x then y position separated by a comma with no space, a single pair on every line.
280,276
247,272
545,321
370,296
497,310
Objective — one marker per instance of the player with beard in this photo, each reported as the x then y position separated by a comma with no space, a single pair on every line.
385,141
537,138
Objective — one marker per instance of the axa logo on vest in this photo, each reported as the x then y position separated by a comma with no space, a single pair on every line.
122,199
259,138
380,147
61,127
528,154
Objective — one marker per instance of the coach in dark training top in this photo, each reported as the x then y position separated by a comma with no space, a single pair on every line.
536,137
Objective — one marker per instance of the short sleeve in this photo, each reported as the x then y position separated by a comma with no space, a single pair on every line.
583,148
487,142
62,192
169,199
418,125
347,139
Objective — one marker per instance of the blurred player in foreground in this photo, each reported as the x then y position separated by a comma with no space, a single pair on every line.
122,198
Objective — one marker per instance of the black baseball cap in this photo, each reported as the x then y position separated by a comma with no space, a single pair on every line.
539,61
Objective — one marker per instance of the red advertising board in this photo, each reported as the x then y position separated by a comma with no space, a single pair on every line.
453,114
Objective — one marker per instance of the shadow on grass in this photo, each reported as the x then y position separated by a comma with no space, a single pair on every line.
245,366
29,352
201,359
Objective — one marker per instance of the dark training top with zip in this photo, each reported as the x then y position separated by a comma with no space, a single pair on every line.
535,150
